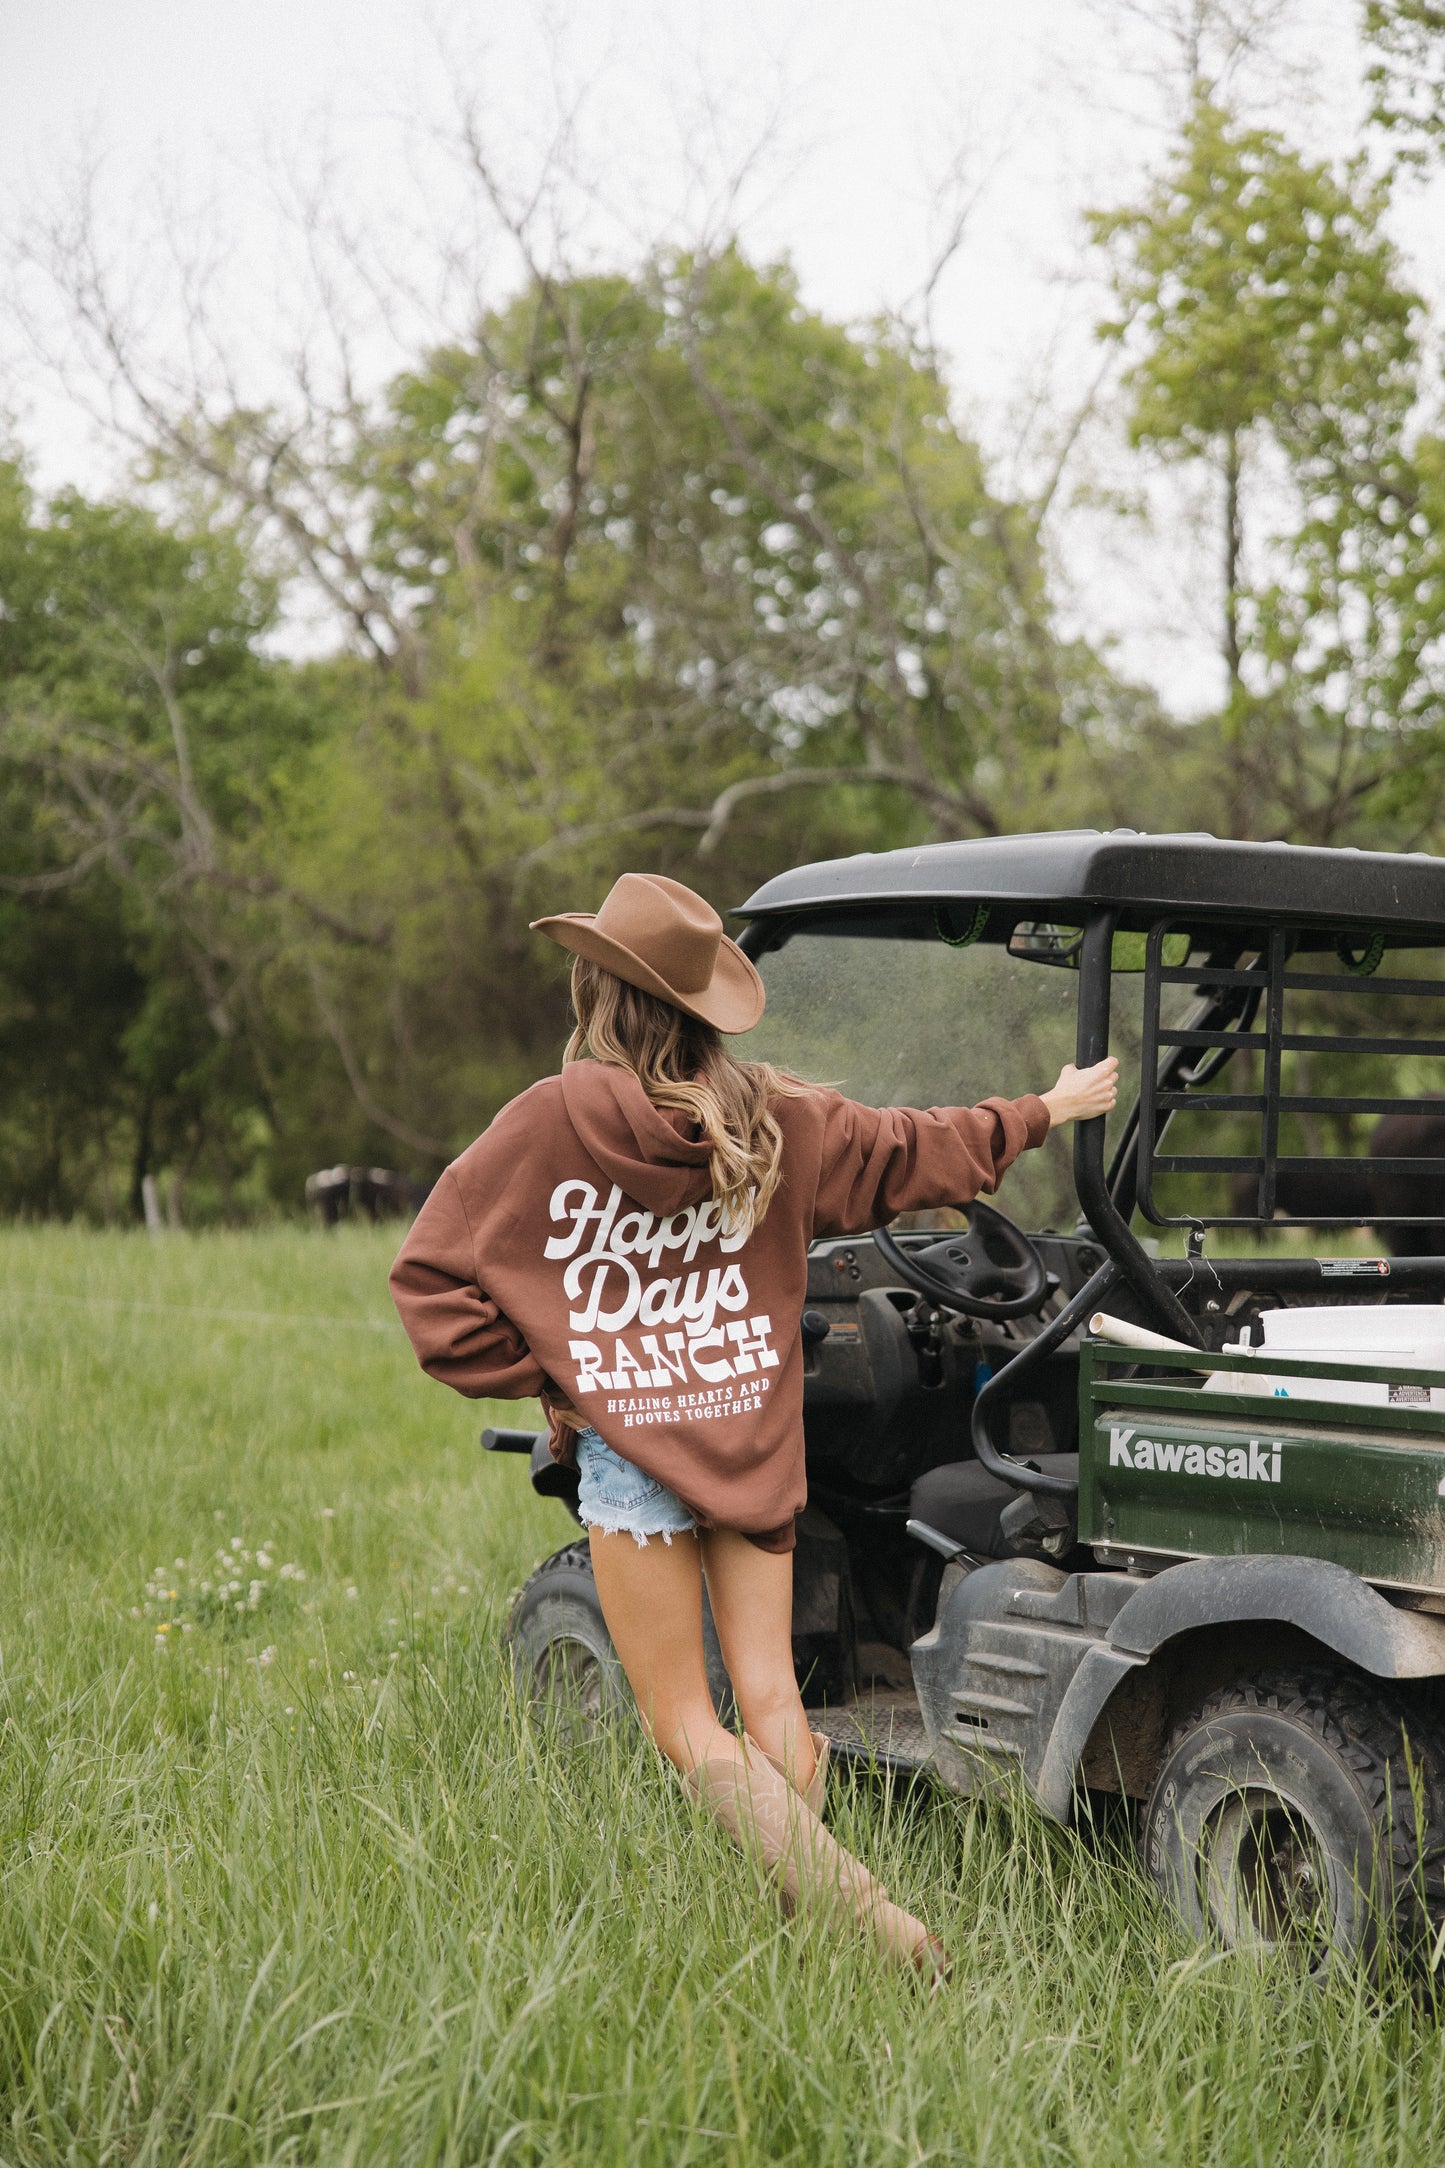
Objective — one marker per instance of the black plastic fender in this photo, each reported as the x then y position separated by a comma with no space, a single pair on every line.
1023,1658
1325,1600
994,1670
1084,1700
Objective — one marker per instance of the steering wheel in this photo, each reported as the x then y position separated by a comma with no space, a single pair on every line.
993,1271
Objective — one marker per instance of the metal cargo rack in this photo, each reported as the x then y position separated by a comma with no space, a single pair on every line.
1240,992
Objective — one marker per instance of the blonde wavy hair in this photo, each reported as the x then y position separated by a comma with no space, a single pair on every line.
685,1064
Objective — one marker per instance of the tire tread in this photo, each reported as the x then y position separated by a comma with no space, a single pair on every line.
1384,1741
572,1556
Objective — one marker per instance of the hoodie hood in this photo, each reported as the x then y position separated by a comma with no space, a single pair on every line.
645,1150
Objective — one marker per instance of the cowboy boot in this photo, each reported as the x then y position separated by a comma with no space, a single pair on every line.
816,1790
768,1820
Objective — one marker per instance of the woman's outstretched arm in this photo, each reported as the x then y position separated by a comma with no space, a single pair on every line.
878,1161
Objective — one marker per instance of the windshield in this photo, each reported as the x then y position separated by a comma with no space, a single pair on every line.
919,1023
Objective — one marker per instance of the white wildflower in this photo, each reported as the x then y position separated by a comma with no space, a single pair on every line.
237,1581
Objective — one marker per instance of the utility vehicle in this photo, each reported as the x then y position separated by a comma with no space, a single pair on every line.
1092,1510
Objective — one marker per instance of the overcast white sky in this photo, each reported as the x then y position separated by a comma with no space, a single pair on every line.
865,104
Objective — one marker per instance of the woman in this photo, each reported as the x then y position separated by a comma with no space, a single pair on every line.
628,1240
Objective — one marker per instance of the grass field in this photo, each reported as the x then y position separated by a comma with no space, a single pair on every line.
302,1882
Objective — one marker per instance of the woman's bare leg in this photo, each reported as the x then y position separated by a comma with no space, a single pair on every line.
752,1608
652,1601
651,1598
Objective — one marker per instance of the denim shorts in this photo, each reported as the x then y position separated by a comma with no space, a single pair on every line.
617,1497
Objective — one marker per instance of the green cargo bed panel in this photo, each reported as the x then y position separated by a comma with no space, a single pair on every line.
1209,1485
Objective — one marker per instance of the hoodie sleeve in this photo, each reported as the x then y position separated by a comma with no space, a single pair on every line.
879,1161
459,1334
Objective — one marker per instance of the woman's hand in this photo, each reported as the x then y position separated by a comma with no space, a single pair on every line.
1080,1094
559,1409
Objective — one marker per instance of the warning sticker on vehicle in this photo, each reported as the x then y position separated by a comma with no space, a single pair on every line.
1410,1396
1354,1268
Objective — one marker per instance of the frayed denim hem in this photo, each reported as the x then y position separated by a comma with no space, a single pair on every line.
619,1525
619,1498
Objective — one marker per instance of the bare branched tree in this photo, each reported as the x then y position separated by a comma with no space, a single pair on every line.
1239,50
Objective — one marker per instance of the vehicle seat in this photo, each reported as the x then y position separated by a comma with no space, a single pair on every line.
964,1501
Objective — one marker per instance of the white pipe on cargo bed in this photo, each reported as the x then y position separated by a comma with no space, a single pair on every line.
1104,1327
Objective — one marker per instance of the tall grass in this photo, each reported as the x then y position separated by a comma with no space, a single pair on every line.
352,1903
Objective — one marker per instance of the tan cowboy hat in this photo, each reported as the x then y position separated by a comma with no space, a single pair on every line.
660,936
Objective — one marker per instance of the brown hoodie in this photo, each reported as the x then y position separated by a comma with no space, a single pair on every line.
574,1251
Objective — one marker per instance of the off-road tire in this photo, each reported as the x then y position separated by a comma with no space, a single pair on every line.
1303,1808
562,1653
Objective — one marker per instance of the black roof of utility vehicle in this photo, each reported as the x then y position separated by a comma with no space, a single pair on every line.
1140,874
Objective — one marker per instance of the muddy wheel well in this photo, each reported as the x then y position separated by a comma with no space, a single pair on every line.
1128,1737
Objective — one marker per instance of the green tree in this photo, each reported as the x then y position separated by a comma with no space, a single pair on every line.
1406,76
142,739
662,570
688,577
1270,332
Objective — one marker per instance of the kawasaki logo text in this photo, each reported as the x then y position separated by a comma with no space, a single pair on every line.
1254,1463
